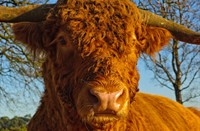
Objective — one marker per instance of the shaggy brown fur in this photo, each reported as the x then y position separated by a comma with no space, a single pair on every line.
95,44
195,110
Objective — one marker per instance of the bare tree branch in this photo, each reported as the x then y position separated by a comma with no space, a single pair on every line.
163,84
160,65
191,97
191,81
189,67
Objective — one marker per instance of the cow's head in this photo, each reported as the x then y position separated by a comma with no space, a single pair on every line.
92,48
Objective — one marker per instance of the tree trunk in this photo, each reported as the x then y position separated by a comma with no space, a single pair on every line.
177,70
178,94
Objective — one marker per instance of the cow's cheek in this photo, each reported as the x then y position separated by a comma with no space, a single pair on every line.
82,102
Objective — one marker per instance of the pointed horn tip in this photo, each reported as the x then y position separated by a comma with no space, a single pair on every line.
191,39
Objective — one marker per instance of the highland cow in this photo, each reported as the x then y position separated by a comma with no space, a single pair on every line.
91,79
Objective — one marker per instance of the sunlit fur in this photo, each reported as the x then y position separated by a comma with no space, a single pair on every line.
95,44
195,110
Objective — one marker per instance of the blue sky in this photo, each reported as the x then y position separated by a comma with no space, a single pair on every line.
146,84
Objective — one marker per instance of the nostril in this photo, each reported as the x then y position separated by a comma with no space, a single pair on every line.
120,97
116,100
94,97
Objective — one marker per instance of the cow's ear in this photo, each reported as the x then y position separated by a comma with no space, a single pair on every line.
154,38
30,33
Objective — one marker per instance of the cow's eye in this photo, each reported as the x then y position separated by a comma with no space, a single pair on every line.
62,41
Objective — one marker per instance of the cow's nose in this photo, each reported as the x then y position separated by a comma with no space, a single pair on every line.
107,100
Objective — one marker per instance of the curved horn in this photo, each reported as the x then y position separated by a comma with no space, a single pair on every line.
178,31
31,13
37,13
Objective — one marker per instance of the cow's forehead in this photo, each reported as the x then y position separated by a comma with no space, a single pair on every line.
98,26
